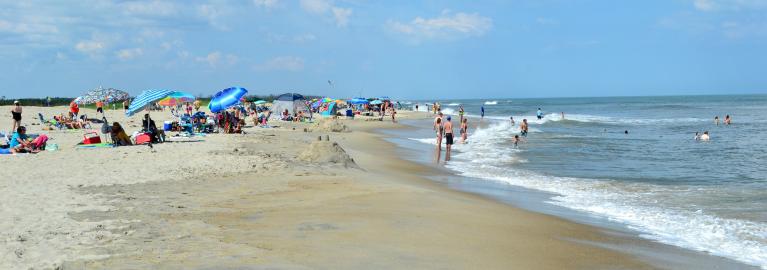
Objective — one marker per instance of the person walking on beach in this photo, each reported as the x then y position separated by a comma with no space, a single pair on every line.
523,127
464,130
539,114
716,120
16,114
448,137
727,120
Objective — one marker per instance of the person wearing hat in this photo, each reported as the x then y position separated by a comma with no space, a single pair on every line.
16,114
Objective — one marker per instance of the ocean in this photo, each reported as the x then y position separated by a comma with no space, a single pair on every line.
708,196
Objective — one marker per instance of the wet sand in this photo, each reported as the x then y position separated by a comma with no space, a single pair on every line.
248,202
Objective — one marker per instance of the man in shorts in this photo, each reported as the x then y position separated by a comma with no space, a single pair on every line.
448,137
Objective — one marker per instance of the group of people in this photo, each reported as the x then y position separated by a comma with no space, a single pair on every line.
443,126
705,136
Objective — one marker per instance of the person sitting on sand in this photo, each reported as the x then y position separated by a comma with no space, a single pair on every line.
705,136
119,137
20,142
150,127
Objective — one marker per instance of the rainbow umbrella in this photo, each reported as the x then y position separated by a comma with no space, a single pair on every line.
176,98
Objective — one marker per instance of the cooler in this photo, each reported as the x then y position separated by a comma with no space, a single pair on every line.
167,125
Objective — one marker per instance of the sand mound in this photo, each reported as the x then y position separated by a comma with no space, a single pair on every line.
327,153
331,125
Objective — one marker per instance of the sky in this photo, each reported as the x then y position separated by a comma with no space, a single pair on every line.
403,49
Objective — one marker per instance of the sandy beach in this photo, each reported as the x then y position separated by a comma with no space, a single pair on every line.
273,198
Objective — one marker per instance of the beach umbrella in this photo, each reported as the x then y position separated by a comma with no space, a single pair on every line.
145,99
102,94
226,98
176,98
384,98
259,102
376,102
357,101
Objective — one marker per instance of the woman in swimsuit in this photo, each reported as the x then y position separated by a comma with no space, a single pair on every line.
440,131
464,130
16,114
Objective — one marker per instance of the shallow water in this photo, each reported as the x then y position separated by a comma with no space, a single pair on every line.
706,196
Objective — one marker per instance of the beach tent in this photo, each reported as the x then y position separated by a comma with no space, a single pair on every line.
291,101
330,111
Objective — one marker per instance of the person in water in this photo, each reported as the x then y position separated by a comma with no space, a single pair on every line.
539,114
697,136
460,114
440,132
523,127
563,115
512,120
516,140
464,130
716,120
727,120
448,137
482,112
705,136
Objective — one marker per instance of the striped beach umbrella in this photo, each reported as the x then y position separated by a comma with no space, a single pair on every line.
145,99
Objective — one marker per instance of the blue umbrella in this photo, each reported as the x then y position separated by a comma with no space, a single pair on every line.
357,101
226,98
376,102
145,99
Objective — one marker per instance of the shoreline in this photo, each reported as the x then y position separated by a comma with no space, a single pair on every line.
246,200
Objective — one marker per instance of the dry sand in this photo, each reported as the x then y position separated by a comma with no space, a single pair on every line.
265,200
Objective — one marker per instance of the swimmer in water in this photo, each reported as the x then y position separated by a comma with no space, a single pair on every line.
626,132
705,136
727,120
516,140
716,120
697,136
512,120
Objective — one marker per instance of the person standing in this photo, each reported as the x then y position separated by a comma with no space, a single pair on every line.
464,130
126,105
523,127
440,132
48,101
448,137
16,114
716,120
460,114
512,120
563,115
482,111
539,114
100,106
74,109
727,120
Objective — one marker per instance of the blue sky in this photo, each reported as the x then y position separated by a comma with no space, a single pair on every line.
404,49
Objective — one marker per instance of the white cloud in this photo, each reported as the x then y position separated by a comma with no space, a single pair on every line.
149,8
324,7
266,3
218,59
728,5
128,54
286,63
341,16
316,6
446,25
91,47
212,14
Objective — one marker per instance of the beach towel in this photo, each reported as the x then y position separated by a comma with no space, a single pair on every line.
95,145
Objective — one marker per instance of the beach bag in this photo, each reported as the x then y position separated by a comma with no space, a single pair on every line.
91,138
143,138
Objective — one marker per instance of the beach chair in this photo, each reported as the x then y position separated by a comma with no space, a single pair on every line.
49,122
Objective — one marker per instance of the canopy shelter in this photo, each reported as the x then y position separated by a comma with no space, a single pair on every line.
289,101
102,94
